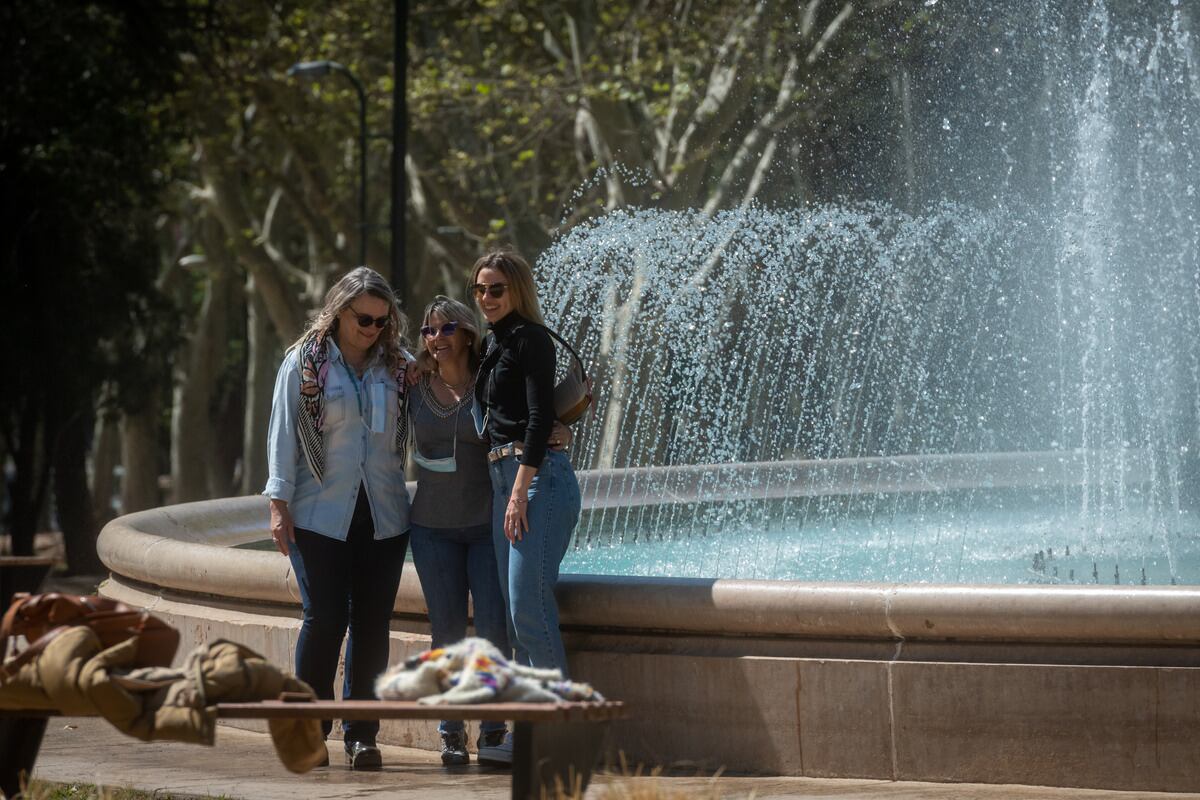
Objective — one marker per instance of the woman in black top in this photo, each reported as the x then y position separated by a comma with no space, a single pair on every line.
535,502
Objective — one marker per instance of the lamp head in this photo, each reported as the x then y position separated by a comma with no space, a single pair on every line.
309,69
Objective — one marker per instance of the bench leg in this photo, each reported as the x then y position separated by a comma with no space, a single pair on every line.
550,753
20,740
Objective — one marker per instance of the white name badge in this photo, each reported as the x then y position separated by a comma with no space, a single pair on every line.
379,409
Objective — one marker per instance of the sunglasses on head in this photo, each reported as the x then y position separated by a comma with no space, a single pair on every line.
446,329
366,320
495,290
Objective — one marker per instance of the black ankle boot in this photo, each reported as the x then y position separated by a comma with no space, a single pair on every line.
363,756
454,749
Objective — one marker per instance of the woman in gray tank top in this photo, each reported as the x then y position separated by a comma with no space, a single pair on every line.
451,513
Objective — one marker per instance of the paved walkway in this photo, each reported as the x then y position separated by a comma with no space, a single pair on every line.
243,765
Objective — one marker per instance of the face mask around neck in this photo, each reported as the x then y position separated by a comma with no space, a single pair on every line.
447,464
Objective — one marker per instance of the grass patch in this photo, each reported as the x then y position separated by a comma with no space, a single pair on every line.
44,790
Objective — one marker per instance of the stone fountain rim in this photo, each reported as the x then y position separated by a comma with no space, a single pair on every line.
174,547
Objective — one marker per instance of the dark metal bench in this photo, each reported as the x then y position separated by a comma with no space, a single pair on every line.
553,743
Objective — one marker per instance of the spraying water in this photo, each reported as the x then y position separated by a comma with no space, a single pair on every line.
1060,321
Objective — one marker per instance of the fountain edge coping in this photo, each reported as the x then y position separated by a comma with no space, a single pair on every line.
173,547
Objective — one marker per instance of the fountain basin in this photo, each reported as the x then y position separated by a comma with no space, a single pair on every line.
1087,686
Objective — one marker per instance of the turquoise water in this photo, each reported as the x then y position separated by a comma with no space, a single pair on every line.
982,546
824,542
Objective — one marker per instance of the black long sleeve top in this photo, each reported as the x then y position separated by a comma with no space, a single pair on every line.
515,386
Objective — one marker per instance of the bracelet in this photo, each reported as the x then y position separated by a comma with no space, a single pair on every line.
518,500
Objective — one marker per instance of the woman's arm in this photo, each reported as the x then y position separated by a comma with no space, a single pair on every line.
282,445
536,357
516,522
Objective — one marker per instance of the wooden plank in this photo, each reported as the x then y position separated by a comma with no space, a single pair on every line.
396,709
403,709
26,561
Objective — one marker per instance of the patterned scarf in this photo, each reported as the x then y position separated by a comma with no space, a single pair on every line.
314,371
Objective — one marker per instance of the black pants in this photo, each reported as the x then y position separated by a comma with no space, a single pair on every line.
347,584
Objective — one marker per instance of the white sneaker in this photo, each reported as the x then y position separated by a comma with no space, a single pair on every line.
497,753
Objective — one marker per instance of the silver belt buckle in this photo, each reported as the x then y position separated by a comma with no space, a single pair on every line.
504,450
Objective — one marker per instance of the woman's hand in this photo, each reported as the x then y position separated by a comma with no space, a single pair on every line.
516,515
413,374
283,532
560,436
516,522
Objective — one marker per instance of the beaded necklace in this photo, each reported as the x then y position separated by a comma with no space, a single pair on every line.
435,406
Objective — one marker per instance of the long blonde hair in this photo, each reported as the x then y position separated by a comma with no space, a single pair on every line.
451,310
353,285
520,281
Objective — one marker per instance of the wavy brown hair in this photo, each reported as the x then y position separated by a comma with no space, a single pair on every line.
520,281
392,341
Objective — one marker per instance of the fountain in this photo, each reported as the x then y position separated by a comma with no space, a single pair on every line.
877,488
1054,310
833,335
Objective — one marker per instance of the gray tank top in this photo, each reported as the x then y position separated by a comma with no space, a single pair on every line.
458,499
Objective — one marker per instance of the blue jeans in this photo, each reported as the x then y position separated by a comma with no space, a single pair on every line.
453,562
529,568
350,584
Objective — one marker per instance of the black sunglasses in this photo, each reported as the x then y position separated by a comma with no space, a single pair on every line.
496,290
366,320
446,329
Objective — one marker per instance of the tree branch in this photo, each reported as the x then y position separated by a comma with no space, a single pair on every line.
721,80
787,87
830,32
224,198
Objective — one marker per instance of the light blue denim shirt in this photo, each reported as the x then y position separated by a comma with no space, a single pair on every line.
359,450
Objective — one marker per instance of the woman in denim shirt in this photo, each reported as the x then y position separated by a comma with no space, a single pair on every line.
339,506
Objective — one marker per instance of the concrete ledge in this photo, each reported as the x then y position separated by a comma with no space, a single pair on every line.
166,547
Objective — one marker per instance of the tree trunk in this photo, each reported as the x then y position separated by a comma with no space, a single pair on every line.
616,331
27,492
73,499
279,299
229,410
192,435
5,499
262,358
106,454
902,87
139,454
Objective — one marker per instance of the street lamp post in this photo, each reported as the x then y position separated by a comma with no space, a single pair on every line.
317,69
399,148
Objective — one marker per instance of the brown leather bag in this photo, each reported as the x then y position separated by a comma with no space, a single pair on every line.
42,617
